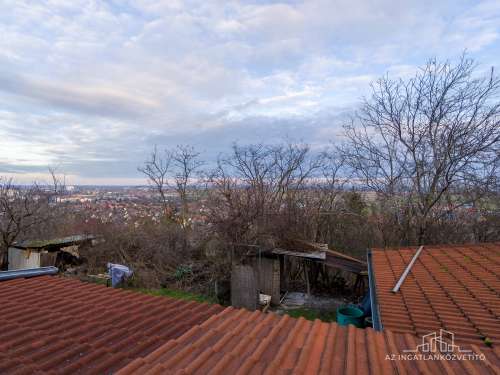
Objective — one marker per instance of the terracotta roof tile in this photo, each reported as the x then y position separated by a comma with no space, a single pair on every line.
52,325
63,326
454,287
238,341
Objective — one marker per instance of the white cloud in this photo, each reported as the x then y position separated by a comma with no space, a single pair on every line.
91,81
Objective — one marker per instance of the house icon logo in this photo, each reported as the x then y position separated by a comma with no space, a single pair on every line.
442,341
437,346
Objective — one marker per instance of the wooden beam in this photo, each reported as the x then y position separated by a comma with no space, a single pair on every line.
308,285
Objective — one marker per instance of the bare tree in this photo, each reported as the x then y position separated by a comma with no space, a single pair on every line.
58,182
333,179
426,143
174,169
22,208
186,165
258,190
157,169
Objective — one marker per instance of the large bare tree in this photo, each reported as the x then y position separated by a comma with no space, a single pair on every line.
428,144
259,190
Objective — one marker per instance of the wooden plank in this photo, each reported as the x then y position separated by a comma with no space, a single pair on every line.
244,291
48,259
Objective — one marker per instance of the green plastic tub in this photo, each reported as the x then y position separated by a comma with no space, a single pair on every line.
350,315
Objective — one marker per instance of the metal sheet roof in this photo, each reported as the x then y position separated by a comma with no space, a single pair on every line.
53,243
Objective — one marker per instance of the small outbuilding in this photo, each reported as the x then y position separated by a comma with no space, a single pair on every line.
44,253
269,271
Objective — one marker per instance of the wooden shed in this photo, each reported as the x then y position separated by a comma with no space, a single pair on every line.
266,271
43,253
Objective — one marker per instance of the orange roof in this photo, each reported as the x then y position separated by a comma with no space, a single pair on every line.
453,287
62,326
242,342
53,325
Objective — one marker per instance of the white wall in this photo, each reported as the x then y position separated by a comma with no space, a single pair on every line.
19,259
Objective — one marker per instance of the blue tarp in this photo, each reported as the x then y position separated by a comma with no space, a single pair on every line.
118,273
366,306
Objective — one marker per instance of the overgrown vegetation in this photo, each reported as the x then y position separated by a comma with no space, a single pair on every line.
417,164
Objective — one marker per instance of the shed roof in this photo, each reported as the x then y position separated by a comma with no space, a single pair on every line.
453,287
321,253
55,243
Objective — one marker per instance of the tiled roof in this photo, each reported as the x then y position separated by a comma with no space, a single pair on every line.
242,342
54,325
456,288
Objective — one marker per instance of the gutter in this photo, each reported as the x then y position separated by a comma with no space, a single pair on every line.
377,323
27,272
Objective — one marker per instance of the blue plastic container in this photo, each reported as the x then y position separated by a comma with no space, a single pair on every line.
350,315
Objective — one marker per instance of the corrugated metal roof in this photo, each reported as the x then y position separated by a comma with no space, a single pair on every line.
320,252
53,243
243,342
454,287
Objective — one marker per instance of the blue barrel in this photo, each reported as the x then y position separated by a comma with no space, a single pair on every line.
350,315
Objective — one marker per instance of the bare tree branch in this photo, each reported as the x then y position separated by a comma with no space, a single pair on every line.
428,140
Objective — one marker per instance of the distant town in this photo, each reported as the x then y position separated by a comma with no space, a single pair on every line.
124,204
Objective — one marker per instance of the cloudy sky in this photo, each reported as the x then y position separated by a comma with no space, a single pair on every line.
91,86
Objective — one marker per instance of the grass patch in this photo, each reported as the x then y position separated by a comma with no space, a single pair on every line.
177,294
162,292
325,316
99,281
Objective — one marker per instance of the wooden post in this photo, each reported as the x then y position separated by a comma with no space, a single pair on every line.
283,283
307,279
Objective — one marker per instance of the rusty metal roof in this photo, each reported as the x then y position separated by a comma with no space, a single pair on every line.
320,252
453,287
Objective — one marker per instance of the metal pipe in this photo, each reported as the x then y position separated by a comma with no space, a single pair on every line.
27,272
407,270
